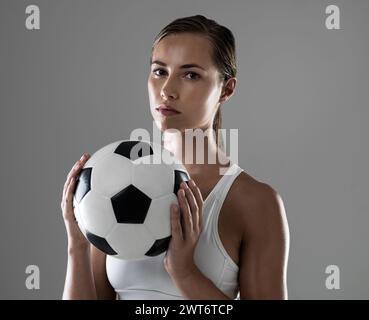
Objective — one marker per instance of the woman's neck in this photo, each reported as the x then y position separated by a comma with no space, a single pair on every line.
197,151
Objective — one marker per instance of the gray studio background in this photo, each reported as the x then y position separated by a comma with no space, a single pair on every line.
301,107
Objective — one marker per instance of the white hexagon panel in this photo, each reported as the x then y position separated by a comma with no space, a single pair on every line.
103,152
133,241
111,175
155,180
97,213
158,217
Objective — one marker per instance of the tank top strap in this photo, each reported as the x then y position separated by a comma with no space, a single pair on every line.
225,183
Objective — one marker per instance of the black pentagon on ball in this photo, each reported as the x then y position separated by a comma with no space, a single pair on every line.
130,205
158,247
179,177
134,149
83,185
100,243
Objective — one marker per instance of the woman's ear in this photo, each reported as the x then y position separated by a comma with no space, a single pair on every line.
228,89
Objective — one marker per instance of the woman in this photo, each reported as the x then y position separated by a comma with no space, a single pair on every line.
230,236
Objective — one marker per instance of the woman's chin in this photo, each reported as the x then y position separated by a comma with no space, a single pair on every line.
167,125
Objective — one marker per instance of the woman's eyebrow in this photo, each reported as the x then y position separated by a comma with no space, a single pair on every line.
185,66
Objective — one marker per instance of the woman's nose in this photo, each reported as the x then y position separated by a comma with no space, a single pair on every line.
168,91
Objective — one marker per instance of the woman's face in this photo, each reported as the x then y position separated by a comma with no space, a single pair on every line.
193,91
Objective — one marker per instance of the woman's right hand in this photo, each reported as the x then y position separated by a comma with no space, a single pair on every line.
76,239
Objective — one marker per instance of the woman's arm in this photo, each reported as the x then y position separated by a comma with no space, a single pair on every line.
79,282
265,248
104,290
86,275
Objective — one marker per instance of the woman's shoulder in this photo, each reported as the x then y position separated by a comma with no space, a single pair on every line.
253,201
247,190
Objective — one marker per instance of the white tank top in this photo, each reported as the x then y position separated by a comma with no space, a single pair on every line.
148,279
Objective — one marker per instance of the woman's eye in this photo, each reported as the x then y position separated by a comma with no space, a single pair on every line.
195,75
157,73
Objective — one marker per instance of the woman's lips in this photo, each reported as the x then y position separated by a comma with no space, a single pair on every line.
167,112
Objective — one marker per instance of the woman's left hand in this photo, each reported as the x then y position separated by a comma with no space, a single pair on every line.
186,226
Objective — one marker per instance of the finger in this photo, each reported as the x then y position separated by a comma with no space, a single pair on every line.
199,200
69,199
175,223
65,188
70,191
79,164
193,206
77,167
64,202
72,173
67,183
186,213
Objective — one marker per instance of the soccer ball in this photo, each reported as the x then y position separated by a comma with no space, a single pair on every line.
122,199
